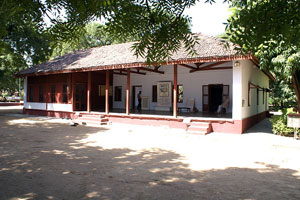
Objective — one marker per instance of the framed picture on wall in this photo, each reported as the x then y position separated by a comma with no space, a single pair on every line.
164,90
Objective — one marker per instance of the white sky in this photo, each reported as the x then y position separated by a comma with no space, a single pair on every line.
207,18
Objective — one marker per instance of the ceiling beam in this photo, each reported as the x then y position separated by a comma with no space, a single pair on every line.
151,70
135,72
217,68
198,64
120,73
188,66
207,66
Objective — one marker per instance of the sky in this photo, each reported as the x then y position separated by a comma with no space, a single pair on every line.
207,18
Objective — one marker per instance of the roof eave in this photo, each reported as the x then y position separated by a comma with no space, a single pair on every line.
140,64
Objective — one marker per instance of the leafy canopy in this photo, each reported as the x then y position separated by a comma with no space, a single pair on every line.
32,31
270,29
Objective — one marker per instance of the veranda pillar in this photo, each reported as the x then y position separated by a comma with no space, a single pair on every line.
175,92
89,92
107,92
128,92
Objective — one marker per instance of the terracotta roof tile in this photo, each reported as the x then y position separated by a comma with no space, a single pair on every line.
122,55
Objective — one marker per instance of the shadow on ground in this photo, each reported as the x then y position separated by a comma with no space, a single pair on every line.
265,126
46,161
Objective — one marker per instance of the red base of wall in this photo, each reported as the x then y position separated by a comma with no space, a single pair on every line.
151,121
57,114
235,126
249,122
11,104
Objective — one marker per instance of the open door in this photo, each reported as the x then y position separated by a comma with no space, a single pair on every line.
213,95
80,96
205,98
135,91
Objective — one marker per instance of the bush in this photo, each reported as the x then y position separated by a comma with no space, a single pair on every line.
279,123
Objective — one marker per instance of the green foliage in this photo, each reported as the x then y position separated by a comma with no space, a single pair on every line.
93,35
270,29
160,27
279,123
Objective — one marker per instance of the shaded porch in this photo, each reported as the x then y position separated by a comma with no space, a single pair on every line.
156,113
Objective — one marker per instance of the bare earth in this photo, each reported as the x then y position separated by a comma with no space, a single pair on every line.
46,158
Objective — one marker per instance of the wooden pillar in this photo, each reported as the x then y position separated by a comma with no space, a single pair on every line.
175,92
128,92
73,91
89,87
107,92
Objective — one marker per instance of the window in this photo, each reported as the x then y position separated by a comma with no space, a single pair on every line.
257,95
154,93
41,93
180,93
118,93
263,95
53,88
30,93
65,93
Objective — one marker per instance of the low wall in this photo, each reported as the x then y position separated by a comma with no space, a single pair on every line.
150,121
222,126
57,114
11,104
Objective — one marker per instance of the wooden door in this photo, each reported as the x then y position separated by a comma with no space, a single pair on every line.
205,98
80,96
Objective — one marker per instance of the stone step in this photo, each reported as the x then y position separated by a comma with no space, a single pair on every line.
199,124
92,119
91,115
201,128
197,132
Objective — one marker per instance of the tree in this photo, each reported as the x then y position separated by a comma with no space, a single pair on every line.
160,26
270,29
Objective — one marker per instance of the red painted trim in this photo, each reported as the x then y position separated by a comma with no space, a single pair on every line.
222,126
57,114
11,104
72,91
128,93
106,91
250,121
89,87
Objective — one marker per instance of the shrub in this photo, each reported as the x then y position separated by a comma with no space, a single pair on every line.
279,123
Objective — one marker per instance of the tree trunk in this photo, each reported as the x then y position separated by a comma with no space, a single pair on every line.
297,89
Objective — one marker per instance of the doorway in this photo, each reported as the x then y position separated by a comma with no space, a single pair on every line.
80,96
215,97
135,90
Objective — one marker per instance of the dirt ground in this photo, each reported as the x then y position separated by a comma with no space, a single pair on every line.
46,158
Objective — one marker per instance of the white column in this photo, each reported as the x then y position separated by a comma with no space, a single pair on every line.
237,92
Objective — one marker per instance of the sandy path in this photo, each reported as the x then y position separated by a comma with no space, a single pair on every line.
42,158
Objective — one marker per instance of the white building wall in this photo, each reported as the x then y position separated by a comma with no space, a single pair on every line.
192,83
251,73
49,106
60,107
237,96
35,106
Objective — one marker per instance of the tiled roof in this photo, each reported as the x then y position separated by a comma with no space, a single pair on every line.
122,56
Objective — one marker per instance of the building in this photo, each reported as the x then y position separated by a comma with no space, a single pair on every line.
183,92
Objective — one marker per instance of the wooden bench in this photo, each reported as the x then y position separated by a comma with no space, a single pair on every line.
184,108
